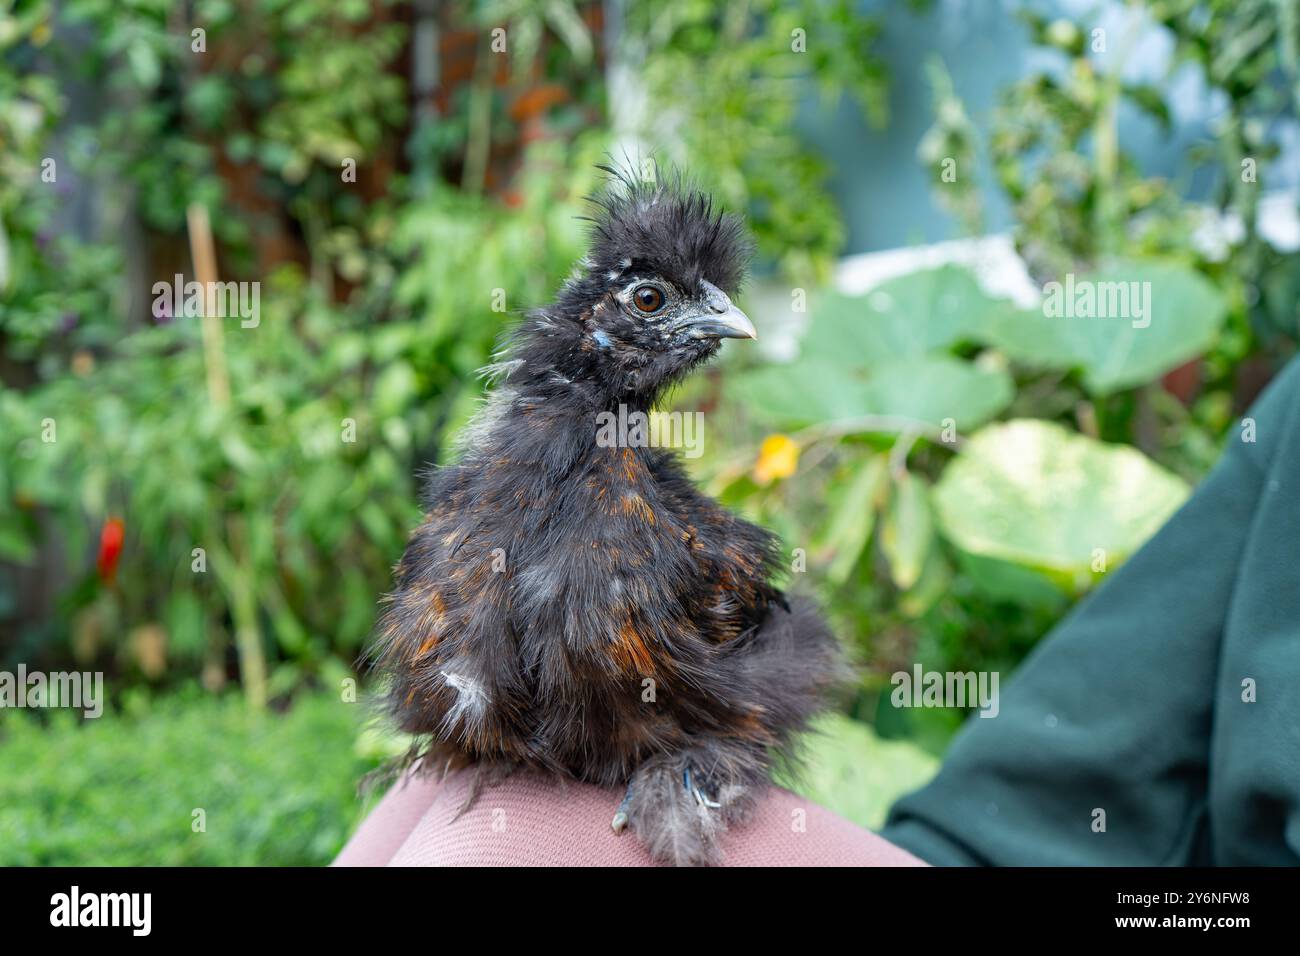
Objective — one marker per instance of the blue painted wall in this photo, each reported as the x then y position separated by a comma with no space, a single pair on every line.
876,175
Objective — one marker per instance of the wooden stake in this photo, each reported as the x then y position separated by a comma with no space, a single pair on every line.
204,255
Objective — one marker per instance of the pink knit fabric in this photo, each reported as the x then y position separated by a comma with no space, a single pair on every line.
531,821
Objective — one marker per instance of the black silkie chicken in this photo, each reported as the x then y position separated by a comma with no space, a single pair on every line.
582,609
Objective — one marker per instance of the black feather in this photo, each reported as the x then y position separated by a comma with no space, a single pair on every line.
664,224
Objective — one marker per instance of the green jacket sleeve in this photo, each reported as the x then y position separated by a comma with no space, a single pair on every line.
1164,705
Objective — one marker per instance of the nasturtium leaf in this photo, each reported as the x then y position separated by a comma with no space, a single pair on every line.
925,390
1123,326
1038,495
905,317
935,388
800,393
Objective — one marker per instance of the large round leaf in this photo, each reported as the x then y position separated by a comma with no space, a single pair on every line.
1038,495
1123,326
927,390
799,393
905,317
857,774
937,387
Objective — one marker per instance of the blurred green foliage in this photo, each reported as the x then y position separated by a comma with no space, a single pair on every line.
260,527
722,92
937,532
275,789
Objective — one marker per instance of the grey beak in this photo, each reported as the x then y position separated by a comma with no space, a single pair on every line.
732,324
721,319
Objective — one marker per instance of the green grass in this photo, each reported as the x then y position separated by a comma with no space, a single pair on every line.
277,789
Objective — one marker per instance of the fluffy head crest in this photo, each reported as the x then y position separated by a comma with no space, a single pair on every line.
666,227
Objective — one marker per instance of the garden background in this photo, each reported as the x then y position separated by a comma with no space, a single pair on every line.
208,512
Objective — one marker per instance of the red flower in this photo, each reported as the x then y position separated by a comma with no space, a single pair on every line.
110,548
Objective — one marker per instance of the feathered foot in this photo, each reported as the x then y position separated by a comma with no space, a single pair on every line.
679,810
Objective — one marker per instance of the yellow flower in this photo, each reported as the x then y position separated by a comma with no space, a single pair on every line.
777,458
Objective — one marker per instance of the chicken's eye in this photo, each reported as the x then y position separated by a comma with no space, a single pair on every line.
648,299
